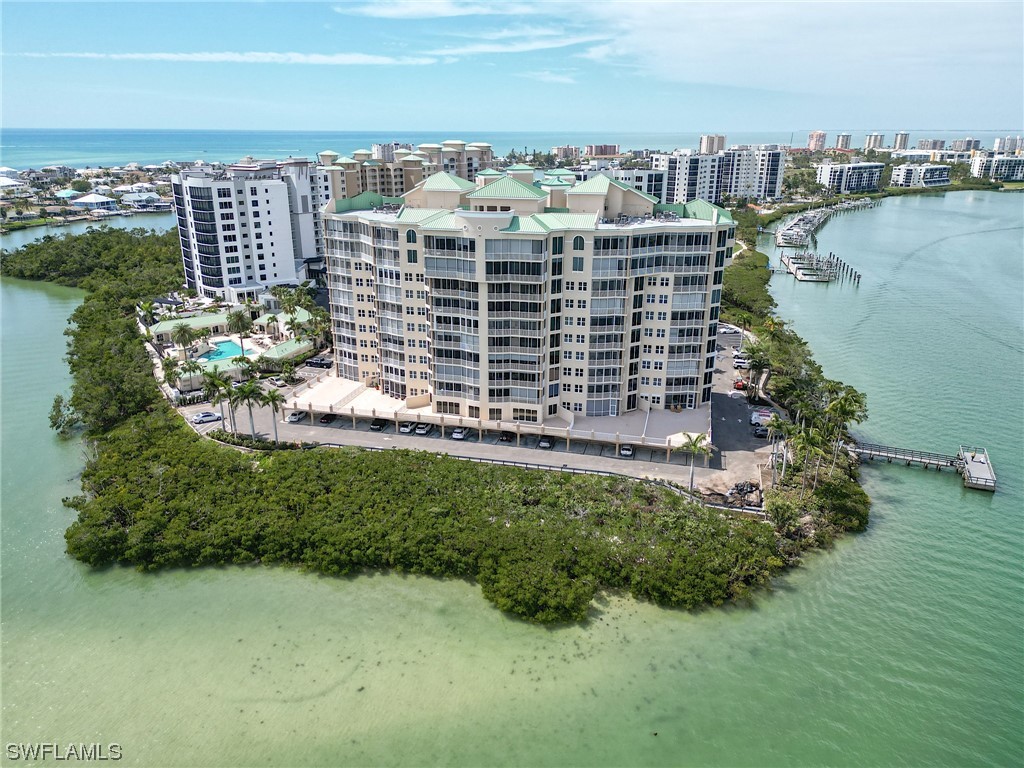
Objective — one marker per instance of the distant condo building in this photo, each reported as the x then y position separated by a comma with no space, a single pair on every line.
740,171
600,150
874,141
566,153
1008,144
816,141
901,141
843,140
386,152
249,227
931,144
845,178
711,143
508,300
965,145
998,168
927,175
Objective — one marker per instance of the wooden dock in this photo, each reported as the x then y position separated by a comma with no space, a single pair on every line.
973,464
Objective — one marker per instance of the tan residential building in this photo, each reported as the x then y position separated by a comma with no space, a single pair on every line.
502,299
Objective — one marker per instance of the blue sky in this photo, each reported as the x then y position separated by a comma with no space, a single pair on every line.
517,65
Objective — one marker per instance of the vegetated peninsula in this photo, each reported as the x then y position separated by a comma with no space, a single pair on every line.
541,545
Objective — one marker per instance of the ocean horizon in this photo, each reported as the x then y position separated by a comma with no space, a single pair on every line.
23,148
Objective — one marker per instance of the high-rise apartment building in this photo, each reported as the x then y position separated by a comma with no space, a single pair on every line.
874,141
965,145
740,171
998,168
816,140
1008,144
566,153
507,300
690,176
843,140
600,150
386,152
925,175
254,225
931,144
850,177
901,141
712,143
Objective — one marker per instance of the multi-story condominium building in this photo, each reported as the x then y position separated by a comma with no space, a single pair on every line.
843,140
753,172
1008,144
649,181
690,176
510,300
386,152
566,153
874,141
927,175
598,150
965,145
931,144
251,226
712,143
902,140
850,177
998,168
816,141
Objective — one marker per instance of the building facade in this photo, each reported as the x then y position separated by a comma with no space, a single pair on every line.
816,141
599,150
740,171
252,226
874,141
901,140
931,144
513,301
845,178
1008,144
927,175
566,153
712,143
843,140
998,168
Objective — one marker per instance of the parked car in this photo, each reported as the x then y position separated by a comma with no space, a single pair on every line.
626,451
205,417
460,433
760,418
545,443
319,362
295,417
727,329
760,431
424,429
378,425
328,418
741,362
406,427
507,437
277,381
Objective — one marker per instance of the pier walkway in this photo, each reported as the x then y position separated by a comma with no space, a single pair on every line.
973,464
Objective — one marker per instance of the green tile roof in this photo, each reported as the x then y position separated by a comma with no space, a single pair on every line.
196,321
554,182
697,209
600,184
447,182
526,224
490,172
568,220
416,215
371,162
287,349
443,220
559,172
520,167
507,188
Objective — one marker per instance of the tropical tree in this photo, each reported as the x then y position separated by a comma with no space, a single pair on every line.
148,310
264,363
191,367
295,327
275,400
240,322
849,407
183,335
695,443
244,365
248,394
288,370
319,327
170,366
273,327
757,353
214,386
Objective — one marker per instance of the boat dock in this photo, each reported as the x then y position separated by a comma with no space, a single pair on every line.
972,463
799,231
812,268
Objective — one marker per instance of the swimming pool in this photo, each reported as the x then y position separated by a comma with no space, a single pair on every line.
223,350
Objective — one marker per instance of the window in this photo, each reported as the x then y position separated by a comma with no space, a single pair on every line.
648,332
648,315
650,298
577,407
557,246
581,339
645,380
411,256
663,298
581,356
577,243
663,315
577,263
410,236
661,333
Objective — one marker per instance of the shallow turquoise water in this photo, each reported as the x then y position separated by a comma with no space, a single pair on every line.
223,350
901,646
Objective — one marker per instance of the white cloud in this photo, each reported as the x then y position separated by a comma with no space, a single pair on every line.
434,9
246,57
514,46
546,76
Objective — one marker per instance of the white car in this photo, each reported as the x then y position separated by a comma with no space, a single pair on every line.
295,417
626,451
459,433
205,417
727,329
740,362
406,427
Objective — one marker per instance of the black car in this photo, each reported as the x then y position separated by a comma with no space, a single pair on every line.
377,425
760,431
328,418
319,362
507,437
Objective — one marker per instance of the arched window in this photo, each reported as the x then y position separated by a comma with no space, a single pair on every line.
577,243
410,236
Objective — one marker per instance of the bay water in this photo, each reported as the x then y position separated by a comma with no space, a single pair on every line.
903,645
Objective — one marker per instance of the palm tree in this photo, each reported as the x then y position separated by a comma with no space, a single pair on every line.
275,400
777,428
183,335
148,309
693,444
191,367
248,394
213,387
757,354
244,365
240,322
170,366
320,327
296,328
273,324
848,408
